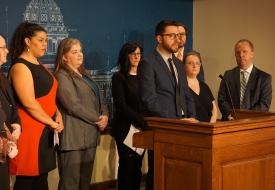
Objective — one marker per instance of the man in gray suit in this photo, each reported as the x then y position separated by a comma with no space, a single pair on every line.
162,82
249,87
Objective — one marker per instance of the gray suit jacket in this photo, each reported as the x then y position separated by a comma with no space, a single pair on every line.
157,88
80,109
257,96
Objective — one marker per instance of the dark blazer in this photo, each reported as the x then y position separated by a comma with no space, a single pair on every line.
9,115
127,105
257,96
80,109
157,88
8,103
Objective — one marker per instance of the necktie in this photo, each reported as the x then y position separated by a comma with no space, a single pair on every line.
177,89
179,56
243,83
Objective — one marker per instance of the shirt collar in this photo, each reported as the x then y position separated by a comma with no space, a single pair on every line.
248,70
164,57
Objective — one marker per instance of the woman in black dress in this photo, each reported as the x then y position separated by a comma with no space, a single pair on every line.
128,113
206,109
9,115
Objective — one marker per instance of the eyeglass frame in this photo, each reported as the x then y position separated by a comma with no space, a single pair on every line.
174,35
194,63
135,54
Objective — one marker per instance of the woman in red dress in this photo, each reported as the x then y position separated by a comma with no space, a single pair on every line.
35,89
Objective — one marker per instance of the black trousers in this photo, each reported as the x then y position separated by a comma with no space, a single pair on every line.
31,182
150,174
129,169
4,176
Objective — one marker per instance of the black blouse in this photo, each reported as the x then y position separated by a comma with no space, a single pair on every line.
203,102
127,105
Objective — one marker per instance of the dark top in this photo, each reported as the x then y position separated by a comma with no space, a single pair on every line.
8,102
9,115
203,102
93,86
127,105
42,81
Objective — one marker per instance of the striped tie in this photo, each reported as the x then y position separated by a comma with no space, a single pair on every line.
242,89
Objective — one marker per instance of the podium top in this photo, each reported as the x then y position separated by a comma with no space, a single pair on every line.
247,120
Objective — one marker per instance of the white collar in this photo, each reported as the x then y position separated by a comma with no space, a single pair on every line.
164,57
248,70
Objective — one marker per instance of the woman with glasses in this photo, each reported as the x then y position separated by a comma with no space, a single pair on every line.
206,109
9,116
127,114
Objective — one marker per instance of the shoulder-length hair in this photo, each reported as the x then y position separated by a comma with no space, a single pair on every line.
64,47
123,58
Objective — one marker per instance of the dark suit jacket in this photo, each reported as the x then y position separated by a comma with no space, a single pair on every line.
257,96
127,105
157,88
7,103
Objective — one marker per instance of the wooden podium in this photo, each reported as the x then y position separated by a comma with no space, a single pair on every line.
231,155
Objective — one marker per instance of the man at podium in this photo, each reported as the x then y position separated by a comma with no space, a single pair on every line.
163,85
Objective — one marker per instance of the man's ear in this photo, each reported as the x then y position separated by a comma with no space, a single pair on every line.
159,39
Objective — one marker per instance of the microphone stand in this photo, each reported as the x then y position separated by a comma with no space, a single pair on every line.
230,97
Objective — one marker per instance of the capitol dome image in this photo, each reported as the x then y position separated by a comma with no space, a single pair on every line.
47,14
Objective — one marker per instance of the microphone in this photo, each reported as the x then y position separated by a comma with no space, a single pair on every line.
230,97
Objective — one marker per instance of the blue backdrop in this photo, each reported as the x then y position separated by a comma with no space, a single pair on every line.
103,26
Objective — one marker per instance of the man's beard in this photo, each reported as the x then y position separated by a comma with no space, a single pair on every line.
181,45
171,48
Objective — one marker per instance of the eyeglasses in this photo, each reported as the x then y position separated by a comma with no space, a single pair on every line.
194,63
174,35
135,54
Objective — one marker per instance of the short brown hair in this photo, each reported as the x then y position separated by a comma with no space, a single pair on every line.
161,26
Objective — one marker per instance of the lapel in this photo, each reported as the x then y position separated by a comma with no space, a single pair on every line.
164,67
250,87
251,81
8,93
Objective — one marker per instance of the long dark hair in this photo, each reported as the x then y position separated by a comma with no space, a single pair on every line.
123,58
23,30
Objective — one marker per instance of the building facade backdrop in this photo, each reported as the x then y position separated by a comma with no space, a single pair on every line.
102,26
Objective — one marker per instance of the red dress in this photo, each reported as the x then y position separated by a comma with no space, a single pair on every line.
36,150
